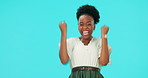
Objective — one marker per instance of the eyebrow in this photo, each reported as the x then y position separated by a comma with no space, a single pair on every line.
89,21
86,22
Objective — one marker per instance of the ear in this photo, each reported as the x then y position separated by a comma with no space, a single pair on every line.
94,27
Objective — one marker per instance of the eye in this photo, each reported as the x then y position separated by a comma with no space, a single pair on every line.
80,24
89,24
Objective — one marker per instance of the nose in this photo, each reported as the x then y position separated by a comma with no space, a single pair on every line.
85,27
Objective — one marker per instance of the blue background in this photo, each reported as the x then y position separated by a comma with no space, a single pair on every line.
29,36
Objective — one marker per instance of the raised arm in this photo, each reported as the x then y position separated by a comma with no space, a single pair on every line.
104,57
63,45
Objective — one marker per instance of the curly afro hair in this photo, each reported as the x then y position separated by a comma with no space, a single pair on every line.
89,10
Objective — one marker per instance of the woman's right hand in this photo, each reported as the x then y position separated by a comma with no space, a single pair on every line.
63,46
63,27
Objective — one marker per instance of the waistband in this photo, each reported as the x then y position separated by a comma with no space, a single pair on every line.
85,68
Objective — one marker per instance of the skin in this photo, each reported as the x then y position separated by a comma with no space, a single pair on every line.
85,23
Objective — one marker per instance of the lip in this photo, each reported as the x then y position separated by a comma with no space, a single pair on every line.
85,33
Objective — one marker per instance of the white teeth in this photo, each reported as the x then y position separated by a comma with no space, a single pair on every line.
85,32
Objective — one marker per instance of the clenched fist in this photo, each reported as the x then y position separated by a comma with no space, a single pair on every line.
104,30
63,27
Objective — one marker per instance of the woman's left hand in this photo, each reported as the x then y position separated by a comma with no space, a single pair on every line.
104,30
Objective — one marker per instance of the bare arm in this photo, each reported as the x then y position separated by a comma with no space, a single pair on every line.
63,46
104,56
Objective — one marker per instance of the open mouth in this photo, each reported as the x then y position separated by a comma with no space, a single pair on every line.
85,33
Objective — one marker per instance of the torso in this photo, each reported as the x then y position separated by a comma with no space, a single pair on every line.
84,53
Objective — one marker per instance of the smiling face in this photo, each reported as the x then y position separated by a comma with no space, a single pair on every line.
86,26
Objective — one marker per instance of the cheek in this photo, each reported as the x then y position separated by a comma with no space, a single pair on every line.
91,28
79,28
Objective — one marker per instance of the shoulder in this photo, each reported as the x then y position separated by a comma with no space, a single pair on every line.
72,39
97,40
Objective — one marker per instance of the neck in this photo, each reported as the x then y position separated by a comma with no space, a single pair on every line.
85,41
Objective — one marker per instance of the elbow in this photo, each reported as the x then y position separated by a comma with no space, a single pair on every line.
64,61
64,58
103,63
